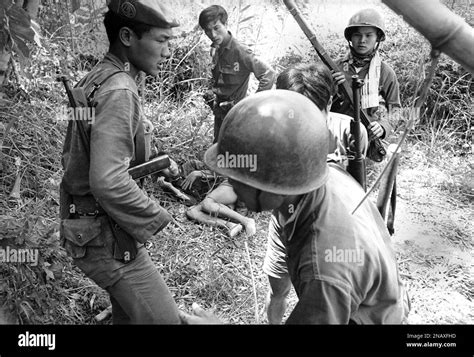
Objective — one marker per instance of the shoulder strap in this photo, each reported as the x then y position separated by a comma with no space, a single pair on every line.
80,125
96,86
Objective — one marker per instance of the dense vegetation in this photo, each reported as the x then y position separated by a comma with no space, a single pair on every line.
199,264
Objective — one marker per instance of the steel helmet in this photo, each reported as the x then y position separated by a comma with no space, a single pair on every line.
283,133
365,18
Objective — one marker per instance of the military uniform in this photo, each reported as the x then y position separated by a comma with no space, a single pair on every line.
342,266
100,201
232,65
388,90
380,79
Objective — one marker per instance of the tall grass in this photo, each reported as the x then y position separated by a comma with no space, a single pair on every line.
198,264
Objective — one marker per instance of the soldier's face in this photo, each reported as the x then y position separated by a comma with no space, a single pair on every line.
364,40
256,200
217,32
151,50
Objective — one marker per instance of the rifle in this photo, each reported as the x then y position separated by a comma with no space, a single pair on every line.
380,151
356,165
77,99
149,168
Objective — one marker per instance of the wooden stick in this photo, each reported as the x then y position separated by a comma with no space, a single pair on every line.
257,320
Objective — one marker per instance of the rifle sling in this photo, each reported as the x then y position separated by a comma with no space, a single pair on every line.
140,150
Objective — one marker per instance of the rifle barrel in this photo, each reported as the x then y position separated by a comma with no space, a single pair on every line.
327,60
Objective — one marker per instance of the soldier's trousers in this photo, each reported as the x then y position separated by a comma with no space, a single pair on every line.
219,115
137,291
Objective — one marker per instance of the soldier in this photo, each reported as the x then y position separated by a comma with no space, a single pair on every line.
232,63
342,265
364,33
105,216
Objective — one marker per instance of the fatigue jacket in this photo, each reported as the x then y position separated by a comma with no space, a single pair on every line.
388,89
233,64
342,266
112,150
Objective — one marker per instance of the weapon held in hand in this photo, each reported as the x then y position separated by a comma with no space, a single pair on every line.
327,60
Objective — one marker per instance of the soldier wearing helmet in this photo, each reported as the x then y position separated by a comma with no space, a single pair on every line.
105,216
341,265
380,94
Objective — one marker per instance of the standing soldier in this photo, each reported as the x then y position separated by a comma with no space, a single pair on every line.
105,216
232,63
342,265
364,33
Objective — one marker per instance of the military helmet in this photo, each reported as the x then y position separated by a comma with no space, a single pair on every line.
365,18
283,134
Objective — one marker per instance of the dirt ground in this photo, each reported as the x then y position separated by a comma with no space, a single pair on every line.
433,241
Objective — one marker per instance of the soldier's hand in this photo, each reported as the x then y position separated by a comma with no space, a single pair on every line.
338,77
375,129
200,317
189,180
250,227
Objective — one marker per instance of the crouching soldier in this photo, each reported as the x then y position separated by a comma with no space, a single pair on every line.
342,265
105,216
233,63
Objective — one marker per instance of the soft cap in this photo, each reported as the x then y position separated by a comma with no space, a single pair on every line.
149,12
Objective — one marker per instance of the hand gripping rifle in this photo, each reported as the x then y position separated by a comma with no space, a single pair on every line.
345,87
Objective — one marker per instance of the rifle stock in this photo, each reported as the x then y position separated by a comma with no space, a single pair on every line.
327,60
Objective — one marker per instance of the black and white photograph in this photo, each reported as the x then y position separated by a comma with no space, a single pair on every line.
236,162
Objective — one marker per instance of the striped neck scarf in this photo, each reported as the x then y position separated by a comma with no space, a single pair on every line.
370,90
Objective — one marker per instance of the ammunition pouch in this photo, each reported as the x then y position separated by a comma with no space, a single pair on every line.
83,228
78,235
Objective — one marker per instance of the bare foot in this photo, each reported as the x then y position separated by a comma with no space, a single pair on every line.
233,229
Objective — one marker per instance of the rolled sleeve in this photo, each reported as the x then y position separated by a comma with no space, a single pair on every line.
111,150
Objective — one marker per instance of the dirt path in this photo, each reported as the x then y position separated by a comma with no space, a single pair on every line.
433,240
